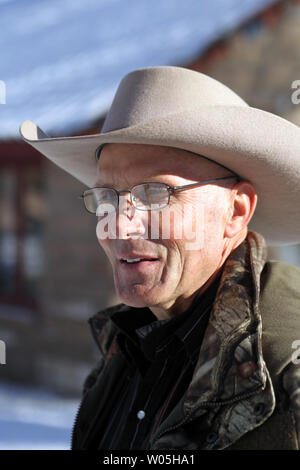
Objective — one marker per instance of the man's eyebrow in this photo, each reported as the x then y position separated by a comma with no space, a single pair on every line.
102,185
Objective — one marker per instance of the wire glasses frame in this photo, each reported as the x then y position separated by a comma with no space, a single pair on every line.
165,190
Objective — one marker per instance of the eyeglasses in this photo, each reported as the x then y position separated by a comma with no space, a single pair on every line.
144,196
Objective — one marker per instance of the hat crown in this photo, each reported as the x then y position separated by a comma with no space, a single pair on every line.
153,92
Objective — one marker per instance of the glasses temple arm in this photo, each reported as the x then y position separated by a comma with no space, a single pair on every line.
203,182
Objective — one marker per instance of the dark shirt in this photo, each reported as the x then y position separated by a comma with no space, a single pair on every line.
161,356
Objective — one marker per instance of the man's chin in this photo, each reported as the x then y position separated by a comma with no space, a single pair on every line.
137,296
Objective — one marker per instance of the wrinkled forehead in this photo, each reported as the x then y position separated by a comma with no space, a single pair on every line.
114,159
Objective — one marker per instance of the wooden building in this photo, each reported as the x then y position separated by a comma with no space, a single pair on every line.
53,274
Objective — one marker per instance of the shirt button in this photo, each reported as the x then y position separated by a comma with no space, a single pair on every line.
141,414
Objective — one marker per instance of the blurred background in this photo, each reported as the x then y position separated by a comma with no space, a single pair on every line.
60,66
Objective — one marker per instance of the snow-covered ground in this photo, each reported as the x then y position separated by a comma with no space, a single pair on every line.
35,419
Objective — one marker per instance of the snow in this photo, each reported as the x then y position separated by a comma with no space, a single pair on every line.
34,419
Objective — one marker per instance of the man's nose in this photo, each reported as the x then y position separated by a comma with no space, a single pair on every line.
125,205
130,221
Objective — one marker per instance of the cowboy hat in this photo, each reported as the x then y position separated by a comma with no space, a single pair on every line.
178,107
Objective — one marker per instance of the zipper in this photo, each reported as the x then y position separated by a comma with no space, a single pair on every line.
90,430
74,423
77,415
94,335
190,416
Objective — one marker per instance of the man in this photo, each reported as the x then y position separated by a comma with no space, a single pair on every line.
201,353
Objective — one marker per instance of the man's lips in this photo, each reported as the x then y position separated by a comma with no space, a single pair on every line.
134,262
132,256
136,257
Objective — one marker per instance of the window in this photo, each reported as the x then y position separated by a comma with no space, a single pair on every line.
22,206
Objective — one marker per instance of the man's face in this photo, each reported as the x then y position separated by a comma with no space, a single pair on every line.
173,272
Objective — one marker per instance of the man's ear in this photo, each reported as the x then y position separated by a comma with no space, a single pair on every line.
243,204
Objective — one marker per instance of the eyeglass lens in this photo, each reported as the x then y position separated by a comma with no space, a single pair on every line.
147,196
144,196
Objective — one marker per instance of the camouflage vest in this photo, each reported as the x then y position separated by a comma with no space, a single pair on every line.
245,390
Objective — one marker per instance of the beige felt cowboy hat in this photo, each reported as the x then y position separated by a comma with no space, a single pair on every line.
178,107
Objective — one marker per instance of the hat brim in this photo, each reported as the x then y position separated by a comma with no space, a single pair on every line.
259,146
